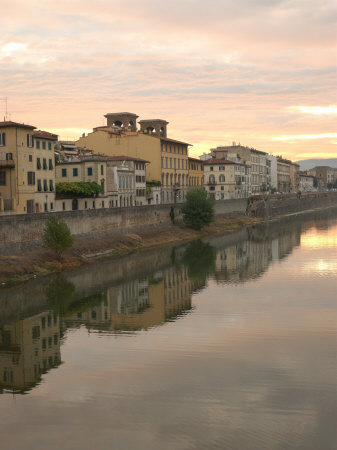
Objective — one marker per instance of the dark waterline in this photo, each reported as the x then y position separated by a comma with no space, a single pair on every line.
228,343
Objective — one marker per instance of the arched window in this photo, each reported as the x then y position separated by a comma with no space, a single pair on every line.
222,178
171,179
183,180
212,179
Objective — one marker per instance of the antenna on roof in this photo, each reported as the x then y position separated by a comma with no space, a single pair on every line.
6,108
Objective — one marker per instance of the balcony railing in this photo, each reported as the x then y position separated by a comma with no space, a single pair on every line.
7,163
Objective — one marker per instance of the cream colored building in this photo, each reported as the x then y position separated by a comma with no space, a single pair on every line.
127,177
306,182
44,144
224,179
168,158
92,168
17,168
283,175
257,160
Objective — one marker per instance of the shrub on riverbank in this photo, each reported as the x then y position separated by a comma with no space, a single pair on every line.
198,209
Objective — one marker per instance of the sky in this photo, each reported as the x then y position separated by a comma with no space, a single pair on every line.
257,72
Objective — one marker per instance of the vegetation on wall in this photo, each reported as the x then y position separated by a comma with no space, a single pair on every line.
150,184
78,189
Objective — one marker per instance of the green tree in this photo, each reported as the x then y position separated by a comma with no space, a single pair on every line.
198,209
57,236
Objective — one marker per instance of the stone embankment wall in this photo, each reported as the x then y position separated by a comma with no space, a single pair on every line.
279,205
29,227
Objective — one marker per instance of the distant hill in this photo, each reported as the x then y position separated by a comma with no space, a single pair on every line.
306,164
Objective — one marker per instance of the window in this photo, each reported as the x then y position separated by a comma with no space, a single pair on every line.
2,139
39,186
89,171
50,164
221,167
36,332
31,178
45,164
75,172
37,144
38,163
43,145
102,170
211,168
49,145
85,205
64,206
30,140
45,185
30,158
64,172
51,186
222,178
2,178
9,156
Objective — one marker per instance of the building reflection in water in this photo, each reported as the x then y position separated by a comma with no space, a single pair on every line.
30,342
249,259
28,348
139,304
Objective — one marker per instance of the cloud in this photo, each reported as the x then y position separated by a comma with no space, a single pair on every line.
232,69
316,110
305,136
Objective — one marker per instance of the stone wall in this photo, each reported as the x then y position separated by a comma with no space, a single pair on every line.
279,205
28,228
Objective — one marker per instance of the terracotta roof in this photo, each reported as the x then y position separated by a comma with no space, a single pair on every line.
220,161
171,140
126,158
9,123
45,135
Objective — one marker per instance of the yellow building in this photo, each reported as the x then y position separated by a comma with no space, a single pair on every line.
195,172
28,348
168,157
17,168
44,144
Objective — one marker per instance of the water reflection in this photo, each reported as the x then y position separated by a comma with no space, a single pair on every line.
134,294
29,348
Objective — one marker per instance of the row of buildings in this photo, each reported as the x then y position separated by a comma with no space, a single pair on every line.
132,166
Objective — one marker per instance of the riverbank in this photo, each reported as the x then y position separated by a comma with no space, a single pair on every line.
37,263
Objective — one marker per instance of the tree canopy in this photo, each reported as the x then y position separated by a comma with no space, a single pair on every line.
57,236
198,209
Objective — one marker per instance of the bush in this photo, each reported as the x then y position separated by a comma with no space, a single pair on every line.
198,209
57,236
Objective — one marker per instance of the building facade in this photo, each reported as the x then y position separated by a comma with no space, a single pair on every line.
168,157
85,169
224,179
283,175
44,144
17,168
195,172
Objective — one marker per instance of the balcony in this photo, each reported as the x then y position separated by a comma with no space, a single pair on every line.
7,163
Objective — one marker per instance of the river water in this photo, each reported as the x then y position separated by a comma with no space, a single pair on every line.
228,343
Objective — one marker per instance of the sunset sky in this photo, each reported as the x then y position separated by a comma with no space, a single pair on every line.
258,72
